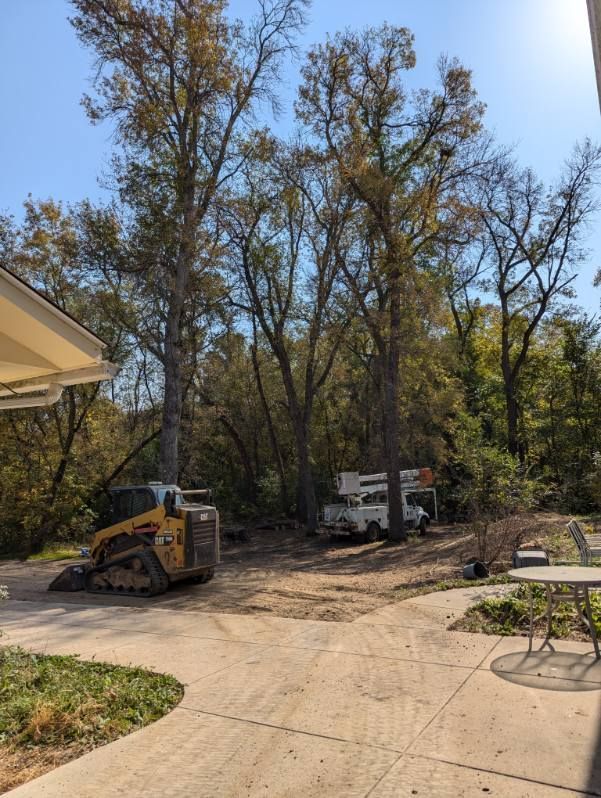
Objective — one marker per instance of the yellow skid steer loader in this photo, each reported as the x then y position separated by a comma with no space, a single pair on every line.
156,537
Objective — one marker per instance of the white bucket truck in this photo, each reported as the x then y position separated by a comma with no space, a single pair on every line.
365,509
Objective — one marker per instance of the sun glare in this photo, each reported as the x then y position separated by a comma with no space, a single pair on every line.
565,22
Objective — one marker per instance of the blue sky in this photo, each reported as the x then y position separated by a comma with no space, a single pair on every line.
531,60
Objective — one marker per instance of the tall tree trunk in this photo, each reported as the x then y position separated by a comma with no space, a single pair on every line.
396,525
275,446
172,354
513,444
172,403
509,381
300,417
251,483
307,503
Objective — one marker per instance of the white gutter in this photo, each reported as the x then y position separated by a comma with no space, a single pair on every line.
42,348
94,373
52,395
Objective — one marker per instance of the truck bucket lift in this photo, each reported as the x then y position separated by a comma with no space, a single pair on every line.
414,480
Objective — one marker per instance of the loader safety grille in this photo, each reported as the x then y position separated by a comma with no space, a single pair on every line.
201,539
203,531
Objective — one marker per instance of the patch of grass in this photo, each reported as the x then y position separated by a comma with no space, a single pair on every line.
510,615
449,584
57,553
61,706
561,547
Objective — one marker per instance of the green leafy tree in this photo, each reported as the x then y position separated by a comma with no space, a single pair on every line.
290,234
533,237
56,460
397,152
180,80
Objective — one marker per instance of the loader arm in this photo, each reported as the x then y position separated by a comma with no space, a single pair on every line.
149,523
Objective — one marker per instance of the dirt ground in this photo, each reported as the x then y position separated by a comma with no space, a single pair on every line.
20,766
285,573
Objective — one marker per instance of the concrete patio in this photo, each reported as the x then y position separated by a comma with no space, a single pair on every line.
390,705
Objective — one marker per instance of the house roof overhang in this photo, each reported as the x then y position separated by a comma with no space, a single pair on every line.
42,348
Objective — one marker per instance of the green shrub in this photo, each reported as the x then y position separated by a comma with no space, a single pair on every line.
510,615
56,700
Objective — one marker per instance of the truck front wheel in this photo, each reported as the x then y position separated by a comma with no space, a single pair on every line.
423,526
372,533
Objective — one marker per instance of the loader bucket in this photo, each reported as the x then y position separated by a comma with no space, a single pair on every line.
70,579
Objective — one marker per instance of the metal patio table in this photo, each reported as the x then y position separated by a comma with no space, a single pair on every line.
553,577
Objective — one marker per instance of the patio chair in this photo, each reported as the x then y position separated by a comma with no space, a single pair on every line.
589,546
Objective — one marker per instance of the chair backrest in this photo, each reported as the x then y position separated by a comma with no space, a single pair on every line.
579,538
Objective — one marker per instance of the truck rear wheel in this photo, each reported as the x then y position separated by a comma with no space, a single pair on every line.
372,533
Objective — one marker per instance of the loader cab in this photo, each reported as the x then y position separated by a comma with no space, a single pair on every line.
133,500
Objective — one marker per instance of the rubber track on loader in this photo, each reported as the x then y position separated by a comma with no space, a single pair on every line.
159,581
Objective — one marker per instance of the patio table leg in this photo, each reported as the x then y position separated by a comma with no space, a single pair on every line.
531,616
580,601
549,612
591,625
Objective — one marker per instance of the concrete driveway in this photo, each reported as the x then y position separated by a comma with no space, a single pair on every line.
389,705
